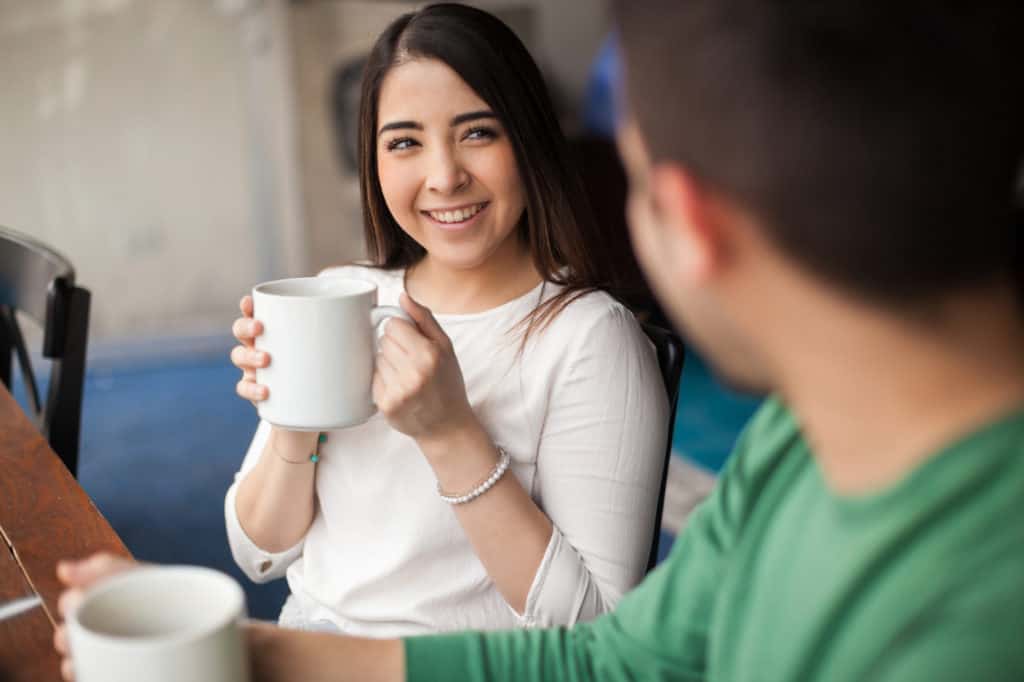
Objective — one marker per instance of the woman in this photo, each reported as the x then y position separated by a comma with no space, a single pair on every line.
524,365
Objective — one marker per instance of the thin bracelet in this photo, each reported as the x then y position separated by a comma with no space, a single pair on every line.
499,470
314,456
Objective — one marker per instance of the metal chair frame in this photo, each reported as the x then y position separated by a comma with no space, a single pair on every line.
38,282
671,356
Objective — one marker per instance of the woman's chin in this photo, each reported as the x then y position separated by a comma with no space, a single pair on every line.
469,251
452,261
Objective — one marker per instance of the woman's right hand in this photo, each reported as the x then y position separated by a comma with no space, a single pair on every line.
245,356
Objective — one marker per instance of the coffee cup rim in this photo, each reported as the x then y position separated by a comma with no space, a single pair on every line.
360,287
233,610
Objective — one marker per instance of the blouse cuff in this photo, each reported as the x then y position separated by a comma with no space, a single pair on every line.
558,594
258,564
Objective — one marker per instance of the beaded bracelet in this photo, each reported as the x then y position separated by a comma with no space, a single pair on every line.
499,470
314,456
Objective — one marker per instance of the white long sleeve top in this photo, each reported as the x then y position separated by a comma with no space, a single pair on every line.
582,412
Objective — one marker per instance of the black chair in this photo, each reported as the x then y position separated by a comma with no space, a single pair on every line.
39,283
671,354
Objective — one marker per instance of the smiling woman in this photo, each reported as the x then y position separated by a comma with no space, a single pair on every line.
511,475
448,174
501,99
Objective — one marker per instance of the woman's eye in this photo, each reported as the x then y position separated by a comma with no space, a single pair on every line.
401,143
480,134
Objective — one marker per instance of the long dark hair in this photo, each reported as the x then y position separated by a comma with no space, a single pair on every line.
558,226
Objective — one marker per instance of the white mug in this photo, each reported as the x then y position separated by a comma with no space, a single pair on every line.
320,335
160,624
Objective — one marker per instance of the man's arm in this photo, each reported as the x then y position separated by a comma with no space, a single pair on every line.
283,655
660,630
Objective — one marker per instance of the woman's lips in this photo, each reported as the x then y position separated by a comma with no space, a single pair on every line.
452,220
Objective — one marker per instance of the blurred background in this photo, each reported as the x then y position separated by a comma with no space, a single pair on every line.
180,151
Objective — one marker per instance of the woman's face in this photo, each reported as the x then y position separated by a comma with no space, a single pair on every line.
447,169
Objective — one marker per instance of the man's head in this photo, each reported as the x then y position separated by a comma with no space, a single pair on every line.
871,147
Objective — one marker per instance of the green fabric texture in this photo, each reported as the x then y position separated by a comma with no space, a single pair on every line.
777,579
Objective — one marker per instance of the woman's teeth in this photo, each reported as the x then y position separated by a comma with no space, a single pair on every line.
456,216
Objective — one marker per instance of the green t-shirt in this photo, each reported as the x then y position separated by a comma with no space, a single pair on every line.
776,578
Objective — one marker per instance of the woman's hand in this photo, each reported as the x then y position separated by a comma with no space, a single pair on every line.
79,576
245,356
418,385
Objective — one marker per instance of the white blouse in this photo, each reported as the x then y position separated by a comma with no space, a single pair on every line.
583,414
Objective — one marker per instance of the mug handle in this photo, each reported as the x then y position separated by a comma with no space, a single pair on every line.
382,313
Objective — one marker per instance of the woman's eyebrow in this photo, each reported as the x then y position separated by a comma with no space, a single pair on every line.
399,125
472,116
458,120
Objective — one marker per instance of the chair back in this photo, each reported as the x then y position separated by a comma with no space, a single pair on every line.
671,354
39,283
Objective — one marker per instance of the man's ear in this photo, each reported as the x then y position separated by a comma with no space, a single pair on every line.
686,212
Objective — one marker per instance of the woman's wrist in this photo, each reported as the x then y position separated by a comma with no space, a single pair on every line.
292,446
461,456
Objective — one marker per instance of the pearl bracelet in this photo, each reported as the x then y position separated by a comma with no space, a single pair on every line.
499,470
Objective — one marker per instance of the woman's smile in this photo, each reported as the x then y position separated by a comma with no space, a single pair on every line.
457,217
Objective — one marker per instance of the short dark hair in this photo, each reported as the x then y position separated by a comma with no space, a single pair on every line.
879,143
557,226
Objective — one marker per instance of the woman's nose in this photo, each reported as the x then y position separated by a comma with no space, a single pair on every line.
446,175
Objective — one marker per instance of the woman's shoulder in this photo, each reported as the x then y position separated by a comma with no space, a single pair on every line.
596,318
594,307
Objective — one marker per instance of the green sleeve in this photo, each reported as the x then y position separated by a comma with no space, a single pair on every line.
659,631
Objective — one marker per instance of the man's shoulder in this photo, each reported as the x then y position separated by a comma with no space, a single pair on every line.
773,421
771,434
769,458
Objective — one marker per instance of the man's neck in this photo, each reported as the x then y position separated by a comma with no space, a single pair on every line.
878,395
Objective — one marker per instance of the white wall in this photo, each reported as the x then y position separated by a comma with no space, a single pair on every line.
159,145
130,142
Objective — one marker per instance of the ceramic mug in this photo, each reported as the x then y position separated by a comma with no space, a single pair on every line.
160,624
320,333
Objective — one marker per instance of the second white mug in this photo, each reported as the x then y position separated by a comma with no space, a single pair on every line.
160,624
320,335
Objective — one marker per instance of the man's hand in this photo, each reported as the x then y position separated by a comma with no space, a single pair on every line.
79,576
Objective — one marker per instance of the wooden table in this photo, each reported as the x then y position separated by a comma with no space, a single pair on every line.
44,516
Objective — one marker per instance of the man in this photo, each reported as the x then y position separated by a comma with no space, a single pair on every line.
822,197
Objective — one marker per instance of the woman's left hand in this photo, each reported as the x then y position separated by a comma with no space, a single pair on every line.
418,385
